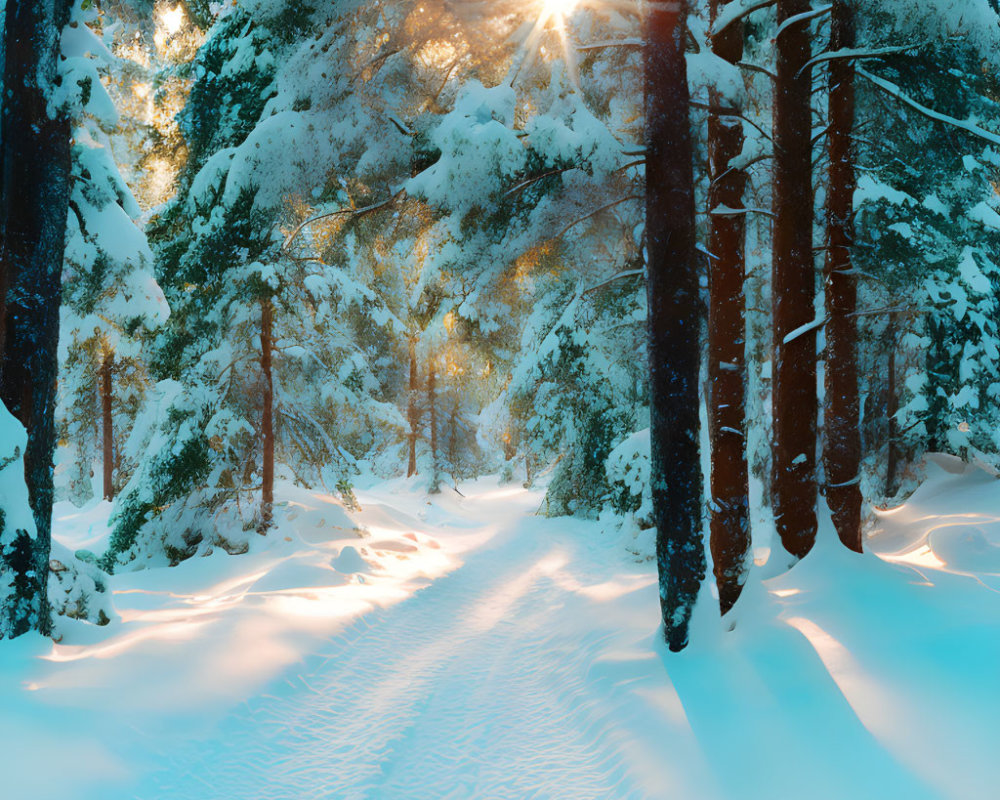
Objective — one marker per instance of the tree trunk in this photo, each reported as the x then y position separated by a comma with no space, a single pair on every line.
730,521
892,408
34,203
453,439
432,410
413,413
842,414
267,417
793,288
107,432
673,322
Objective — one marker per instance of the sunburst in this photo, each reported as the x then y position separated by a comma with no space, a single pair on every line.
553,15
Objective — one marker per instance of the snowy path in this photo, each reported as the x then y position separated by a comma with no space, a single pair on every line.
491,654
476,687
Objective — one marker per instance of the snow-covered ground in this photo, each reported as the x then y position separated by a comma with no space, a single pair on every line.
463,647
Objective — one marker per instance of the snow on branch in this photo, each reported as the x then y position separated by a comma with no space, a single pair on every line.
859,53
803,17
802,330
736,11
894,91
629,273
612,43
726,211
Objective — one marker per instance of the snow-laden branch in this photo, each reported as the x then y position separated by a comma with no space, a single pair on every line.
737,10
802,330
894,91
803,17
629,273
726,211
612,43
859,53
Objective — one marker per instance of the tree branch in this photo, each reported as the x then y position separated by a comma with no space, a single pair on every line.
893,90
357,212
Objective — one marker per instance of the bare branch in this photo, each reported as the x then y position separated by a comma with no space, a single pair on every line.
341,211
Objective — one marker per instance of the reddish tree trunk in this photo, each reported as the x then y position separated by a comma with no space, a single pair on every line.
107,429
793,288
673,322
842,416
267,416
730,522
413,412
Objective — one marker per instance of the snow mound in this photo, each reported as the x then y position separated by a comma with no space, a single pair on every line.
967,548
350,562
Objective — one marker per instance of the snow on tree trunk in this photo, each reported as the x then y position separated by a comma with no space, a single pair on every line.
842,419
793,288
267,415
730,521
673,321
34,203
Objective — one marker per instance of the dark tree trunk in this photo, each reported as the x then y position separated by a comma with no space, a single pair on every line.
674,319
413,412
842,414
793,287
34,199
730,522
107,432
267,417
892,408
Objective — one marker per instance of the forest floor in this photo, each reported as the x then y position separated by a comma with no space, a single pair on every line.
462,646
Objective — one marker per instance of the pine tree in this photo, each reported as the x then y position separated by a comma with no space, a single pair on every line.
842,414
730,521
674,322
793,286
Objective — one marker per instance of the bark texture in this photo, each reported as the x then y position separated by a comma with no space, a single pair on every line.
793,288
267,415
673,322
433,421
842,414
892,408
730,520
34,198
107,428
413,411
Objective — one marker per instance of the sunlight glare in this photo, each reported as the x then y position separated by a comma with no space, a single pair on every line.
559,8
173,19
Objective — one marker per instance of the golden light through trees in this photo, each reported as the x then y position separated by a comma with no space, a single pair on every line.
558,9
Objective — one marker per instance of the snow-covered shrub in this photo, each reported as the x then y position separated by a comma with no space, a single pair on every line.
627,470
19,575
78,590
